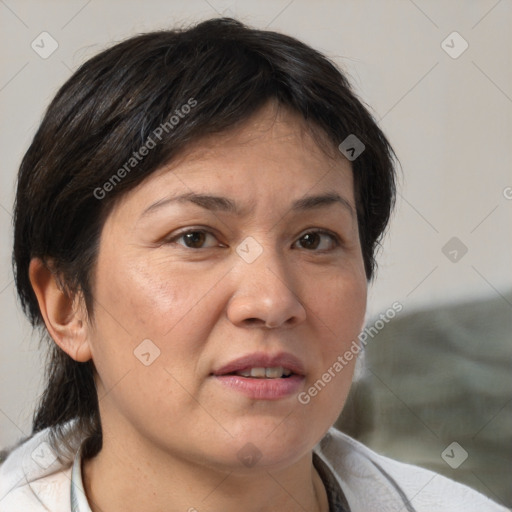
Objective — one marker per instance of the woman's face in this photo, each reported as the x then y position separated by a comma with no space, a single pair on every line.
190,294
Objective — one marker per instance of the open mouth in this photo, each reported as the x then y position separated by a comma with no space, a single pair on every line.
262,376
273,372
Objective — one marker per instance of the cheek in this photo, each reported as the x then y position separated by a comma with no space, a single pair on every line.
339,309
146,299
340,304
133,304
147,316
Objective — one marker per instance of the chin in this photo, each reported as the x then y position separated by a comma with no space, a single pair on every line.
272,442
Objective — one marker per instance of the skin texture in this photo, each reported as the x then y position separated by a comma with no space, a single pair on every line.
171,431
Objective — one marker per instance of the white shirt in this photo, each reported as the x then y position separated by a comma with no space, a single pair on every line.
356,480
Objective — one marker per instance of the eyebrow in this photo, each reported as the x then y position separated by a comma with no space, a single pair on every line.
224,204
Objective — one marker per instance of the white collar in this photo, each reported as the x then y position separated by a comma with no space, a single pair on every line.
79,501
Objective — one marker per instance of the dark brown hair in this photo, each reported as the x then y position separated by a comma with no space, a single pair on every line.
119,102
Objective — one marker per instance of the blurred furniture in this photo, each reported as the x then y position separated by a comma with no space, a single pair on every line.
435,377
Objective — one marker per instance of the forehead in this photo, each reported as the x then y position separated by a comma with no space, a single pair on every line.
273,157
273,124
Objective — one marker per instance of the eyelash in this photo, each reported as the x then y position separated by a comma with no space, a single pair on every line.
334,238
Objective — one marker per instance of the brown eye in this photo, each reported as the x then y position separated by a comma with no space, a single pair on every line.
313,239
192,239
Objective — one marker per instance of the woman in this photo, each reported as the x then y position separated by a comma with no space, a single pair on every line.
195,228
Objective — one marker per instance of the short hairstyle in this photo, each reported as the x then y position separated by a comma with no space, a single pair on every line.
163,91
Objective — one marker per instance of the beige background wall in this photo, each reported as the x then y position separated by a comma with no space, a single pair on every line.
449,119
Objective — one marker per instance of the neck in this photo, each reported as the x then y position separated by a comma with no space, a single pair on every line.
123,479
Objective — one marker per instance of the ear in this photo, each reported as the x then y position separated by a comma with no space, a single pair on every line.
65,317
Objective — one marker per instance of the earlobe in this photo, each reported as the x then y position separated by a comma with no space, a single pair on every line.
63,315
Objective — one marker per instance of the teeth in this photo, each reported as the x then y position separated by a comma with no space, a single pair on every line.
275,372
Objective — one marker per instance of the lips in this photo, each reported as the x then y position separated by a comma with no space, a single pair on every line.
261,376
255,362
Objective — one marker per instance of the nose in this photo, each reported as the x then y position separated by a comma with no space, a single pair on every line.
266,294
